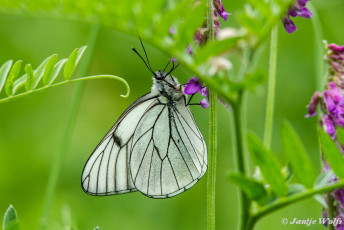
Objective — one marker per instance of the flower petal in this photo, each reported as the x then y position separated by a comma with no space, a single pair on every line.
329,126
336,48
331,107
312,107
334,91
193,86
204,91
204,103
289,25
304,12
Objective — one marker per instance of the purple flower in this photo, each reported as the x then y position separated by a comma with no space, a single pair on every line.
220,10
205,103
302,2
334,92
312,107
204,91
172,30
328,126
339,196
193,86
330,105
336,48
173,59
296,9
201,36
340,220
304,12
289,25
189,49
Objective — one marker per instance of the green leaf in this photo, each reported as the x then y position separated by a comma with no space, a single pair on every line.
324,178
321,200
340,135
57,68
259,17
29,77
332,154
48,71
4,69
39,72
215,48
295,188
81,52
37,77
96,228
258,77
268,164
254,189
300,163
287,173
9,85
72,62
10,221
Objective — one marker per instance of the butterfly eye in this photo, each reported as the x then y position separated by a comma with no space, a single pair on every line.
159,75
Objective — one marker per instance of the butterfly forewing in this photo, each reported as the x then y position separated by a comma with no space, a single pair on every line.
168,154
107,170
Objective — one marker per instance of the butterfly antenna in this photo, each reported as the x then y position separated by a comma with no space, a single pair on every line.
167,65
172,69
144,61
144,50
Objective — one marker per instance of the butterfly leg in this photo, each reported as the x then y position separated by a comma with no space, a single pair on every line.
188,103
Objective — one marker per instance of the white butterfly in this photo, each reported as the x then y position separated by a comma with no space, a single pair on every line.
155,146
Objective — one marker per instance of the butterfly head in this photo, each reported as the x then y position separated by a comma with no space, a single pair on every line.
163,82
167,85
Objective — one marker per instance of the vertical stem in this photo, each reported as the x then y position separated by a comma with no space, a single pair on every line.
212,132
210,20
60,156
269,116
239,159
318,49
330,211
212,161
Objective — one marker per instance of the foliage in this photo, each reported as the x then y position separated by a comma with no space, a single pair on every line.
46,73
270,188
152,21
10,221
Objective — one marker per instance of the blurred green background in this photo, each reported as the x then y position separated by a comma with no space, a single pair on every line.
32,127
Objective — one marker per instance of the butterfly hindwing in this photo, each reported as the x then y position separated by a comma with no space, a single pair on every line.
107,170
168,154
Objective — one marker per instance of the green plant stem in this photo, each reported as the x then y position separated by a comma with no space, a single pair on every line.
269,116
318,49
283,202
239,158
212,161
211,180
330,210
210,20
59,158
70,81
